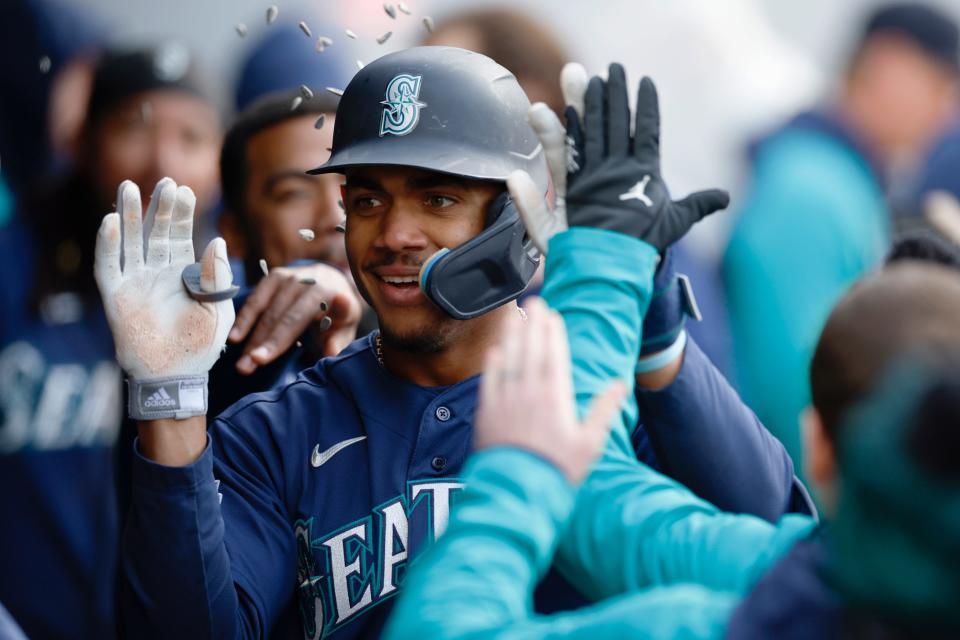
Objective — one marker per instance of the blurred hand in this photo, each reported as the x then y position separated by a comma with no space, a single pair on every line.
287,302
158,329
526,396
541,221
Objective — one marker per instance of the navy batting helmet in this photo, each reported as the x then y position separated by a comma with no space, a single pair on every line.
457,112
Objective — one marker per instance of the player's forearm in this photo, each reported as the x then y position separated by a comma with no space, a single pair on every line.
173,443
601,283
662,377
708,439
177,574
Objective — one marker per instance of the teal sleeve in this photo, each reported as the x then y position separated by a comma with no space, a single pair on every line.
633,528
477,579
601,283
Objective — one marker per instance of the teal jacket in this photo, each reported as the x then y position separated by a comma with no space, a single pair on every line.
661,562
813,222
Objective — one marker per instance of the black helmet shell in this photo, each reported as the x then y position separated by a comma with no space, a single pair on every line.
437,108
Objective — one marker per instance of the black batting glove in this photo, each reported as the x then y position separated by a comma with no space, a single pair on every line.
614,181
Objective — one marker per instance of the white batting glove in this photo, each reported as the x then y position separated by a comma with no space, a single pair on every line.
542,223
165,340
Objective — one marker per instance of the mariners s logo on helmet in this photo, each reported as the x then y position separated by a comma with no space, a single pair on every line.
401,110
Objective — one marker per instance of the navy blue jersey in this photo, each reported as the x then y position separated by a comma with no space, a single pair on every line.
311,499
322,490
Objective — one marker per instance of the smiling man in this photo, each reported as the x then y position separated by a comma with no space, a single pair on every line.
371,440
399,217
321,492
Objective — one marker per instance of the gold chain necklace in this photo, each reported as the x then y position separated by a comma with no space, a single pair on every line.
378,341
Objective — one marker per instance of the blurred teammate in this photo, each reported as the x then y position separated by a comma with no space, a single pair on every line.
268,195
269,201
60,388
815,219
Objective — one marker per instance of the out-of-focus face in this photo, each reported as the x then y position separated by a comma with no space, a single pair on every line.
397,218
280,198
156,134
909,97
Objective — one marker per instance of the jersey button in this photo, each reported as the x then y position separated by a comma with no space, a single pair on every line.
439,463
443,414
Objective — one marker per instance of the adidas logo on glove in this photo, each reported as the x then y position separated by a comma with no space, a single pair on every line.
160,399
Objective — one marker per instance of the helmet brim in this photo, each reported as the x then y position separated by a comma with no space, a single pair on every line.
438,156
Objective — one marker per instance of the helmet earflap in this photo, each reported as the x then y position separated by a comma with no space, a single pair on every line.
486,271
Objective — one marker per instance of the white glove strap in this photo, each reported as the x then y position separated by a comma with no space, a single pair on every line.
179,397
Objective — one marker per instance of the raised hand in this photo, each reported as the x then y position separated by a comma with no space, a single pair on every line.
618,185
163,337
613,178
542,221
288,302
526,396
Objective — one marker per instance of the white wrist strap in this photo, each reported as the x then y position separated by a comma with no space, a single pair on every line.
663,358
178,398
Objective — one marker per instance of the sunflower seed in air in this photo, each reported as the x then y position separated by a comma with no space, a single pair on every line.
384,37
319,123
390,10
404,8
335,91
359,65
323,42
306,30
272,13
307,234
263,266
297,101
44,64
306,92
350,34
428,23
241,29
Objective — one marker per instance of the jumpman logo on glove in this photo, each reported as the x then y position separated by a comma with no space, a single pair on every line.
638,192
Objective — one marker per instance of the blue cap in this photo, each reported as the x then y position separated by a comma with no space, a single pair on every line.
932,30
284,59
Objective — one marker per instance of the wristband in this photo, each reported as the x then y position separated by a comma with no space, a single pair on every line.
179,398
673,301
663,358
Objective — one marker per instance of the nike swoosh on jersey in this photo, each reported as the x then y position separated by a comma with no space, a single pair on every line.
319,458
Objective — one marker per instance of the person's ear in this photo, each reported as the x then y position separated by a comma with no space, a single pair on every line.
819,454
231,231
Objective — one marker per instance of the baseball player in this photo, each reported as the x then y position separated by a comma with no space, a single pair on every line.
326,488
